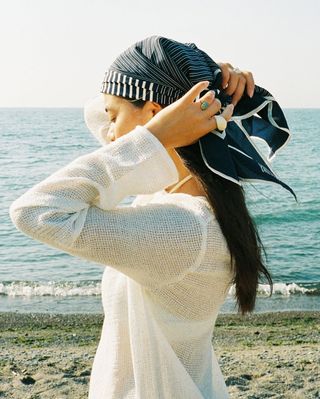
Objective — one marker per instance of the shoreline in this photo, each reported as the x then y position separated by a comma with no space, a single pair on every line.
93,305
262,355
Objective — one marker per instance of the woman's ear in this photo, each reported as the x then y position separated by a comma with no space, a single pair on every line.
149,110
155,107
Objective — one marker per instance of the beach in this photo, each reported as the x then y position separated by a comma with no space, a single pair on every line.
262,355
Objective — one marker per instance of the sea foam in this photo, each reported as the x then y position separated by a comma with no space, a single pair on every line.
93,288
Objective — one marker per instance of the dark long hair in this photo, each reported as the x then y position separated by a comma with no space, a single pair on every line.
227,200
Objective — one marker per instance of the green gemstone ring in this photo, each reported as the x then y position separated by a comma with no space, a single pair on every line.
204,105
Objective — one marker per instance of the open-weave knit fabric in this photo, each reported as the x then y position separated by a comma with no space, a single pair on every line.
167,266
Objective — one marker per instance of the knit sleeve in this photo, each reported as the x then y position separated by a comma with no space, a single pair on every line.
75,210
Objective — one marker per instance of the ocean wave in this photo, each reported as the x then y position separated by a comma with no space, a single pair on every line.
93,288
286,289
50,288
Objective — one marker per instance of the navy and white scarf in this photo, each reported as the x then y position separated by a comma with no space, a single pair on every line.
163,70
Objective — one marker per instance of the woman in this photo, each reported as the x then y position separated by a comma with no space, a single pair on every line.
167,256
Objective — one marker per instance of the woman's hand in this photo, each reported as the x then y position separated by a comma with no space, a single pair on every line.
235,81
184,122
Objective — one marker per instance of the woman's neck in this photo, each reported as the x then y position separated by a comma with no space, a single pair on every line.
190,186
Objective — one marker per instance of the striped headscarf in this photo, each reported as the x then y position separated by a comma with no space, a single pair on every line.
163,70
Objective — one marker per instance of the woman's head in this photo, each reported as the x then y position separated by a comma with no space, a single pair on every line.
152,74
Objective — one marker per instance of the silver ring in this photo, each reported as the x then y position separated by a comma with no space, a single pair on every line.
236,69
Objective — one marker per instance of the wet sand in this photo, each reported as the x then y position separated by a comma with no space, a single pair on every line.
264,355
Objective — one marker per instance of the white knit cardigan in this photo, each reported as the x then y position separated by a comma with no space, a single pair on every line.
166,266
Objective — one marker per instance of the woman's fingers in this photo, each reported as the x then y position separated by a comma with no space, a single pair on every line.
213,107
233,83
250,82
225,69
194,92
207,97
211,123
239,90
227,112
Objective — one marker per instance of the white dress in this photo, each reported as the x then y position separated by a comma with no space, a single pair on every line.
167,266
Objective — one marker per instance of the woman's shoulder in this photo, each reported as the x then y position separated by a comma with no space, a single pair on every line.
197,204
200,205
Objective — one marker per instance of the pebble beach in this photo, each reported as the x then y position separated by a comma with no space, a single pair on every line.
262,355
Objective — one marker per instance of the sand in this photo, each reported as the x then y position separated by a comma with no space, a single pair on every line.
263,355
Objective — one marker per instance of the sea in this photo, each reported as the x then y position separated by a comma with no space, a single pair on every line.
34,277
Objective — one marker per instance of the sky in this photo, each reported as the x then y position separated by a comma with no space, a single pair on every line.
54,53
